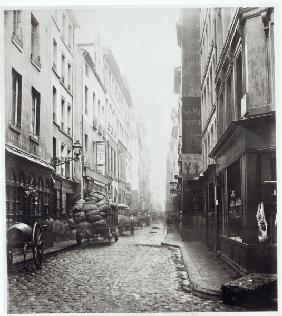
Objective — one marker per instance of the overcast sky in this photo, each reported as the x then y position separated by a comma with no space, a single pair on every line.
144,43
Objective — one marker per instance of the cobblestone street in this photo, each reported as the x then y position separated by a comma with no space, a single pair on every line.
136,274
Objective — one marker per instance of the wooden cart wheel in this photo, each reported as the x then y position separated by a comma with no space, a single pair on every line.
37,246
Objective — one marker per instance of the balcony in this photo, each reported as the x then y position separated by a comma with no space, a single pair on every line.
95,123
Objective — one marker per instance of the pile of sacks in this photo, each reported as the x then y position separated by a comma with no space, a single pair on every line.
89,215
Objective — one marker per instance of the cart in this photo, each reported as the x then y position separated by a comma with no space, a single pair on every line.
106,232
125,219
21,235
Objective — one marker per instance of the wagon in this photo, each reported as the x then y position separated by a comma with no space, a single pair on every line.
106,231
21,235
125,219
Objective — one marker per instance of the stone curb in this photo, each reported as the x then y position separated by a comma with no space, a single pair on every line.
45,255
194,286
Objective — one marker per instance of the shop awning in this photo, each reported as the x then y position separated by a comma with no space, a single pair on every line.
12,149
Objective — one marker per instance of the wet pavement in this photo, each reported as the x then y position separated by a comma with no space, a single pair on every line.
136,274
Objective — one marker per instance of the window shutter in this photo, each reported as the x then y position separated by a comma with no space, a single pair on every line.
19,105
37,114
13,119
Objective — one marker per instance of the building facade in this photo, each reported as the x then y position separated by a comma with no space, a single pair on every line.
62,80
60,90
91,117
28,95
188,35
237,132
245,153
119,108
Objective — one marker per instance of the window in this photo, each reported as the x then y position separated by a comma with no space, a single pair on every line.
70,36
228,101
16,98
63,69
62,155
69,76
54,104
68,164
54,147
62,114
64,26
99,111
93,153
234,201
86,70
55,54
86,100
35,56
239,85
35,115
86,142
93,104
69,120
103,115
17,28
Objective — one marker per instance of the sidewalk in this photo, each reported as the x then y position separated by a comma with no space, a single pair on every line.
58,246
206,271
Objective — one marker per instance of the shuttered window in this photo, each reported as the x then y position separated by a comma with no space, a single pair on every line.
16,98
35,113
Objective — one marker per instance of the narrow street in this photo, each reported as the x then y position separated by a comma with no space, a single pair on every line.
136,274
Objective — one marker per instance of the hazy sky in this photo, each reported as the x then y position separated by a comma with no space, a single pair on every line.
144,43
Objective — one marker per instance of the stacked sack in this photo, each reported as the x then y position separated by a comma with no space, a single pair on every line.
90,215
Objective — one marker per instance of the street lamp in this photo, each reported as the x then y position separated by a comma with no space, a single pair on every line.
77,150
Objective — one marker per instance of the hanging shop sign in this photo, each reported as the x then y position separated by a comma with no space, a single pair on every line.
191,164
262,223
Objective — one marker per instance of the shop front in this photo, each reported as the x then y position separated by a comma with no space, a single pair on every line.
209,187
193,216
29,187
246,195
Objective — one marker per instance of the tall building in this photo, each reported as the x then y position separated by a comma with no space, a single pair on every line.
120,107
245,152
28,95
141,185
90,116
236,187
188,34
62,80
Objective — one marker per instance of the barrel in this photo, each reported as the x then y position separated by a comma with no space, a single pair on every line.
18,235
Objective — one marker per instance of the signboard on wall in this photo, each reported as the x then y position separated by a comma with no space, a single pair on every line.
191,165
191,125
100,154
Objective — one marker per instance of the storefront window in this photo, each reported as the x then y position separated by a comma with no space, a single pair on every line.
234,201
